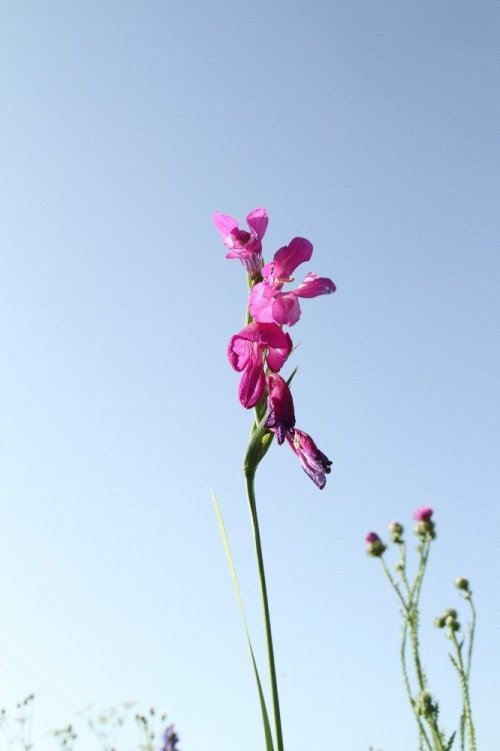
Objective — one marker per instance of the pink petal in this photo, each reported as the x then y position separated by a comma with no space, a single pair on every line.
224,223
252,384
286,308
314,285
265,334
239,352
267,270
276,356
271,335
260,303
257,220
292,255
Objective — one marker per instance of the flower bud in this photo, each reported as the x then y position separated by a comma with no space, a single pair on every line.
448,619
374,545
461,583
396,529
425,705
451,622
425,529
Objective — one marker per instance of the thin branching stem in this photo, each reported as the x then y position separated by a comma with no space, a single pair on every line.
464,683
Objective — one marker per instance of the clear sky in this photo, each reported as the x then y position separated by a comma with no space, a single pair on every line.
370,128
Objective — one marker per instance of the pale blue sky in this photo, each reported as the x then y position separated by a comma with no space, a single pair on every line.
370,128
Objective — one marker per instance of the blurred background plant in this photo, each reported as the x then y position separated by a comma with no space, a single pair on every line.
424,704
16,729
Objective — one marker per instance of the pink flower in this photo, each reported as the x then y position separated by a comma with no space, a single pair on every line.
280,405
314,463
248,351
268,303
246,246
423,514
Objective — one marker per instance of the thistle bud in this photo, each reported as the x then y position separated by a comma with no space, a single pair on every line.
425,705
396,529
449,618
374,545
425,528
452,623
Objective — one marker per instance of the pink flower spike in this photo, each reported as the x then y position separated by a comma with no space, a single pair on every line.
246,246
268,303
314,463
249,349
423,514
280,405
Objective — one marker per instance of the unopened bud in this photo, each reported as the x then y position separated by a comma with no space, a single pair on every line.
461,583
374,545
425,705
425,530
396,529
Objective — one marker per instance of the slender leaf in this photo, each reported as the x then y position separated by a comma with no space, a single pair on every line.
229,557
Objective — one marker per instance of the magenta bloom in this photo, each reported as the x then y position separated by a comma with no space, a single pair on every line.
314,463
280,405
423,514
268,303
248,351
246,246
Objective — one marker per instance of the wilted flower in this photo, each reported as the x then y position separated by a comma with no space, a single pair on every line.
246,246
280,406
314,463
268,303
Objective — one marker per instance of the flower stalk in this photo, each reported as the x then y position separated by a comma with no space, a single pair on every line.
252,505
424,706
258,352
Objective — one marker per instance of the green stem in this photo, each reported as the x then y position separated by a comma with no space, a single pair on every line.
472,631
250,476
464,683
394,585
406,623
413,615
